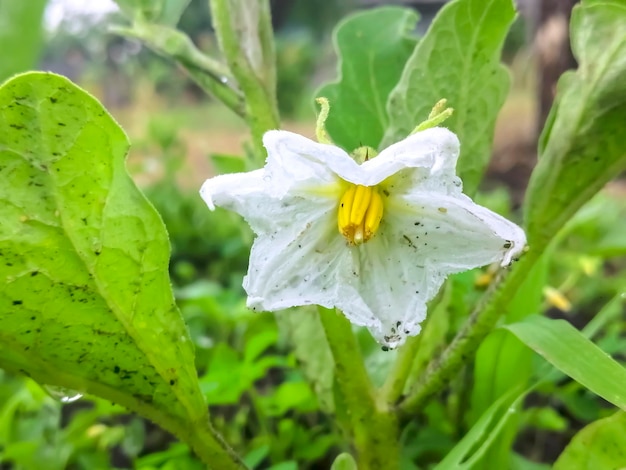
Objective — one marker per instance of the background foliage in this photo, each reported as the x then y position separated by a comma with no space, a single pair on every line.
269,381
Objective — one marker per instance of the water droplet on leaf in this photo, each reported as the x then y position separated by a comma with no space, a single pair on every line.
64,395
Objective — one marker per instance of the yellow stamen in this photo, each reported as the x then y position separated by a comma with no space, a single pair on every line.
360,212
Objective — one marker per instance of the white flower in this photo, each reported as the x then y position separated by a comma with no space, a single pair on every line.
404,226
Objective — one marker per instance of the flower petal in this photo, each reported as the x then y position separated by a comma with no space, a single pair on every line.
452,233
429,229
294,158
294,161
434,151
304,266
244,193
393,286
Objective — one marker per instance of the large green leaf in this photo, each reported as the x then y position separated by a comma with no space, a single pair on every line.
600,445
582,146
21,35
85,298
373,47
458,59
568,350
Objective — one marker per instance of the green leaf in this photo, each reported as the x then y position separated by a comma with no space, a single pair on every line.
344,461
458,59
208,73
290,465
583,148
308,340
373,47
529,296
21,35
471,449
166,12
172,10
599,445
568,350
493,378
296,396
245,37
85,298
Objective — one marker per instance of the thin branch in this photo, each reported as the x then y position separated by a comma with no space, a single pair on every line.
477,327
209,74
374,428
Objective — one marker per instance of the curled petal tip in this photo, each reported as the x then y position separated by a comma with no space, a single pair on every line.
206,194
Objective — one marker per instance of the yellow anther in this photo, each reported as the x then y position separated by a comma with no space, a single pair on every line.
374,215
360,212
362,198
345,208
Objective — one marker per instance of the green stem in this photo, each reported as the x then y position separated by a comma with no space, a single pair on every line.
231,98
211,448
478,326
194,429
396,380
373,426
210,75
240,26
404,365
268,48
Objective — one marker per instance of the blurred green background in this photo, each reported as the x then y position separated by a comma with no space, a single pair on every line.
254,381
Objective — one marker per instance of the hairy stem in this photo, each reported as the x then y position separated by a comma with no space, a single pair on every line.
244,33
211,448
373,426
467,340
212,76
396,380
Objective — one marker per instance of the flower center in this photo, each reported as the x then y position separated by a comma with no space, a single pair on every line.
360,212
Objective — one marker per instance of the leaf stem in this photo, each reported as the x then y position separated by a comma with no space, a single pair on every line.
240,26
467,340
211,448
394,385
209,74
373,426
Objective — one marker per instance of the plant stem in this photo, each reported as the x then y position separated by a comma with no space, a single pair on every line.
240,27
211,448
209,74
396,380
373,426
467,340
404,365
